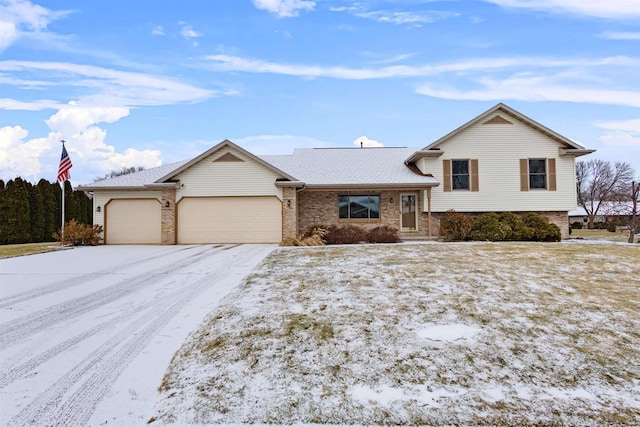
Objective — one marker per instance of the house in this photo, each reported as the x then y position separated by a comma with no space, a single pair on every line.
499,161
610,211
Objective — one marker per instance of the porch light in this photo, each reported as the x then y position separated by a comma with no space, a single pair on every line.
98,209
167,204
289,203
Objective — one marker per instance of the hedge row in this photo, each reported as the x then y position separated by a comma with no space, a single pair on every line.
506,226
343,235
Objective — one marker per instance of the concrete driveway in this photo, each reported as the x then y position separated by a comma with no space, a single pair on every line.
87,334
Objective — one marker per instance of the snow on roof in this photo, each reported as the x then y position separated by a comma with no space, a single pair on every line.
350,166
135,179
607,209
380,166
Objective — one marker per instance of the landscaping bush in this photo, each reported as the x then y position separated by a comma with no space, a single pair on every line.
312,237
345,235
488,227
76,234
576,225
383,234
518,230
543,231
455,226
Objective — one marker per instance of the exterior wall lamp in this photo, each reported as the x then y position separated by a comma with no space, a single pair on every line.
289,204
98,209
167,204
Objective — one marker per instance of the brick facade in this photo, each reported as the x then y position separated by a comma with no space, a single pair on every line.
168,216
321,208
289,212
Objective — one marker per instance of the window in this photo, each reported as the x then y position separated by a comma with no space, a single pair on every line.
359,207
460,174
537,173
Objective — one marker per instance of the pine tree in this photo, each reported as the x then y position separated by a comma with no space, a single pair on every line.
3,214
18,222
36,206
50,209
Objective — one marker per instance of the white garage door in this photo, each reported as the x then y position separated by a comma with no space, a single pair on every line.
229,220
133,222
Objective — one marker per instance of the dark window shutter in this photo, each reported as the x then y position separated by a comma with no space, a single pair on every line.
551,171
446,170
473,165
524,174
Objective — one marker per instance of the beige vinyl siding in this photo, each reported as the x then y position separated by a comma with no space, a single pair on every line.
100,198
209,178
498,149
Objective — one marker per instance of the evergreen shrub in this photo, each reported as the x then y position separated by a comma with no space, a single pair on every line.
455,226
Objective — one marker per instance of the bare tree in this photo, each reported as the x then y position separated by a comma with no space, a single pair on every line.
635,194
599,182
124,171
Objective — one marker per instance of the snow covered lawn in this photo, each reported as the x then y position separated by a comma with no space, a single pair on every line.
87,334
457,333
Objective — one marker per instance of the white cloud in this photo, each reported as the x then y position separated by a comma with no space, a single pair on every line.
21,18
86,143
236,63
284,8
40,104
612,9
620,35
632,125
588,80
402,18
109,87
534,89
19,157
189,34
157,30
395,17
363,141
622,139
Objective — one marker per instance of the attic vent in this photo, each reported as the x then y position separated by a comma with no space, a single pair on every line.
228,157
497,120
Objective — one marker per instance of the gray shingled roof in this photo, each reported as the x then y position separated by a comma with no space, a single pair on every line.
135,179
350,166
382,167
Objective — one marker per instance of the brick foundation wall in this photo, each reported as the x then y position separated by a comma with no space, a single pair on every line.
168,216
561,219
321,208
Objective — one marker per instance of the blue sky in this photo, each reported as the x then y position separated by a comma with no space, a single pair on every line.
141,83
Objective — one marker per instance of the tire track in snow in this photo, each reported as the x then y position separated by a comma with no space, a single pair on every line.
21,329
92,378
24,369
78,280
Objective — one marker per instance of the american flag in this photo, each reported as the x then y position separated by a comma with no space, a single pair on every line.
65,166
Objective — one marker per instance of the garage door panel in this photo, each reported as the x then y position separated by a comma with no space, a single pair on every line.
229,220
133,221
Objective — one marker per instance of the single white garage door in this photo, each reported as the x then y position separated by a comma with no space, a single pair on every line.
133,222
229,220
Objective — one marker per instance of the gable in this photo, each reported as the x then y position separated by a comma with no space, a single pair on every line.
227,171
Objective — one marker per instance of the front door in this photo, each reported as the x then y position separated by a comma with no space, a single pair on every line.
409,212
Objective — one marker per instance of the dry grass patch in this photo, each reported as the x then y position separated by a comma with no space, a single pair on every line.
464,333
9,251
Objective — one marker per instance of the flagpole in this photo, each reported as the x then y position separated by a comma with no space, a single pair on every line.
62,227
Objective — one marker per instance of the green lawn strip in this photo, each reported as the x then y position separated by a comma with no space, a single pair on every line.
342,335
9,251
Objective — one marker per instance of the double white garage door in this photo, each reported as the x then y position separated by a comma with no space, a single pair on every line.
199,220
